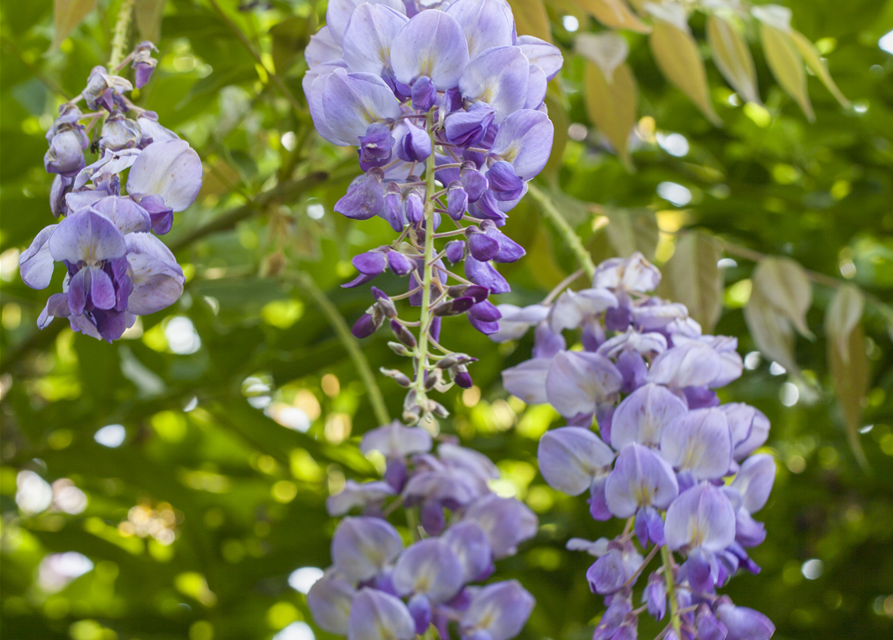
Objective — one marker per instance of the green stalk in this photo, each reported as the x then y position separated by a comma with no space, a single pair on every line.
349,343
427,275
667,558
119,37
569,236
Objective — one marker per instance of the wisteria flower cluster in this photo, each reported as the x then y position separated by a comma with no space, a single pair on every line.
116,269
446,106
379,590
668,457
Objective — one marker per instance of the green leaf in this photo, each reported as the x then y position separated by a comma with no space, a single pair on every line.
676,53
611,105
290,37
732,57
771,331
814,61
531,18
693,278
851,377
631,230
786,65
147,15
783,283
842,316
67,15
614,13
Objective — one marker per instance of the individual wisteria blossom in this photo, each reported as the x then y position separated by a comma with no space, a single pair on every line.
445,103
115,268
666,456
379,588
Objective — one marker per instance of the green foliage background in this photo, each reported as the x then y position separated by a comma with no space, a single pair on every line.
247,494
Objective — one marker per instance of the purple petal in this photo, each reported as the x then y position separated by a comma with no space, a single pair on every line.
481,245
358,495
86,236
525,141
484,274
431,44
631,274
330,601
571,457
700,517
396,441
608,573
743,623
361,547
353,101
750,428
577,381
498,77
338,14
367,40
699,442
542,54
528,380
469,542
500,609
376,615
428,567
171,170
692,364
643,415
754,481
102,291
487,23
506,521
36,262
537,85
640,478
364,198
127,215
572,307
157,278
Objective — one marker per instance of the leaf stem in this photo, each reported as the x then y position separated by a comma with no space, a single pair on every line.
667,557
119,37
350,344
569,236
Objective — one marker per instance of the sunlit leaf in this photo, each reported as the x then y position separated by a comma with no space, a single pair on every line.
611,105
732,57
771,331
531,18
68,14
147,15
842,316
693,278
786,64
851,377
631,230
614,13
783,283
814,61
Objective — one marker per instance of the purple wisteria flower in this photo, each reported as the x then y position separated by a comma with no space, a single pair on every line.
666,456
115,269
445,104
379,589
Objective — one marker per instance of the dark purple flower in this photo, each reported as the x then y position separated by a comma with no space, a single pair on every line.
364,199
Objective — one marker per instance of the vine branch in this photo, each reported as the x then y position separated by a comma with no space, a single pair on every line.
568,234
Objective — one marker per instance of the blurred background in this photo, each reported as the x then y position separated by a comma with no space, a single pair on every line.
172,485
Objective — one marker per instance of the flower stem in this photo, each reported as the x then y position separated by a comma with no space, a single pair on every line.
667,557
569,236
349,343
119,37
419,383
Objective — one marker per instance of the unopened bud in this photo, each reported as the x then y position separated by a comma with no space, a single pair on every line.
397,376
399,349
403,334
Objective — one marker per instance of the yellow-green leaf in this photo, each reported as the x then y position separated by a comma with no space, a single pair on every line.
559,117
732,57
814,61
531,18
677,55
783,283
786,65
693,278
67,15
614,13
631,230
842,316
771,331
612,105
147,14
851,381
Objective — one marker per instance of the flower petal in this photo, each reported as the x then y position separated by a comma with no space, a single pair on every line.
577,381
699,442
157,278
428,567
700,517
169,169
376,615
367,40
431,44
643,415
487,23
525,141
361,547
640,478
570,457
498,77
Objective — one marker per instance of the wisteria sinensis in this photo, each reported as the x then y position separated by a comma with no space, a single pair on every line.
668,457
380,589
116,269
446,106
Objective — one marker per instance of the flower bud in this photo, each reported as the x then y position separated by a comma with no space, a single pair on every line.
424,93
481,245
65,155
375,146
144,63
365,326
457,200
414,209
119,133
397,376
372,263
392,210
462,378
455,251
403,334
467,128
474,183
399,349
364,199
415,145
399,263
503,182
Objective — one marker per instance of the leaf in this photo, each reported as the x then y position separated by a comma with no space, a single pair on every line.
531,18
771,331
147,15
676,53
631,230
615,14
611,105
694,279
732,57
786,65
784,284
558,115
290,38
851,382
67,15
814,61
842,316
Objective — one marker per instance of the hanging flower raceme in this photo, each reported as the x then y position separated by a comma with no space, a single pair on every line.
379,588
116,269
669,458
445,105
